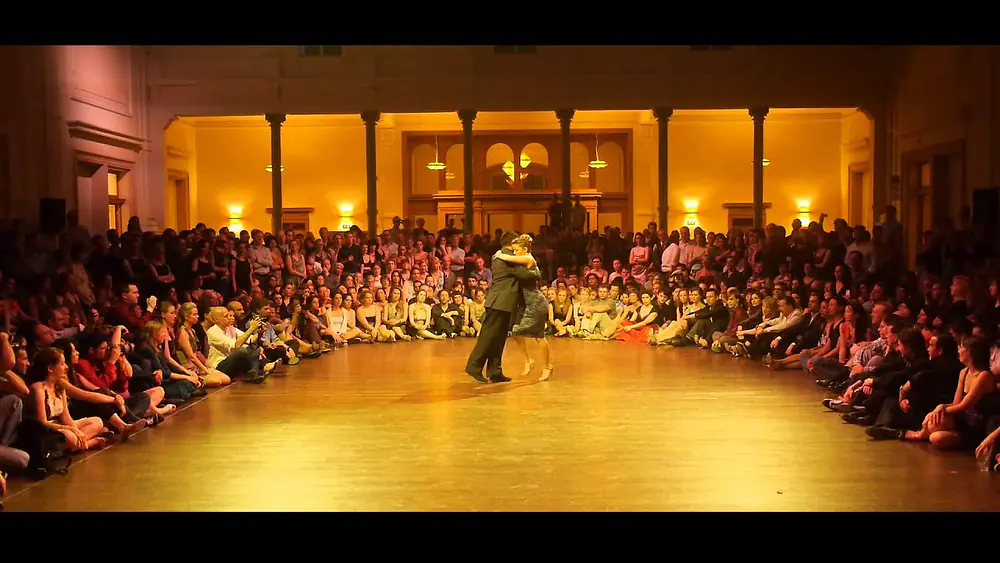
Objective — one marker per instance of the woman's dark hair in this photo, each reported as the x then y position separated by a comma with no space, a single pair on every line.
66,345
979,352
44,359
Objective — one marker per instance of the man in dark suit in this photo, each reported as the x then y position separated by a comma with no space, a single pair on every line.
503,299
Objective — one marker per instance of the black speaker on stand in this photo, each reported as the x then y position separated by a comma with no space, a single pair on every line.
52,215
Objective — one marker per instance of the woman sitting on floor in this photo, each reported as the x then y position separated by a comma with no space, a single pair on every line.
124,417
154,354
962,423
189,348
394,313
48,406
640,319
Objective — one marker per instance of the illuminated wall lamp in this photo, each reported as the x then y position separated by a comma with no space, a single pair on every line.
690,212
270,168
346,217
803,210
235,219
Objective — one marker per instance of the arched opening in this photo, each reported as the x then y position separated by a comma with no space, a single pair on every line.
534,165
500,168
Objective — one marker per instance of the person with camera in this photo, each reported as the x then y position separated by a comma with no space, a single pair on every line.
227,347
103,367
273,348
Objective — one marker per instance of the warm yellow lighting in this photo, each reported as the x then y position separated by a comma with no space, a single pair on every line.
585,174
597,163
525,160
690,205
803,205
449,175
235,227
270,168
765,163
508,169
235,212
346,217
437,165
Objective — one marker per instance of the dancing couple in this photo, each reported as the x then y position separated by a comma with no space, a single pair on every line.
514,296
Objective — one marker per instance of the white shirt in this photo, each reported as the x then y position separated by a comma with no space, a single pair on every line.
220,344
670,258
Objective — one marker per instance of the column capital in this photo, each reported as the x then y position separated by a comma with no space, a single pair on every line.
565,115
663,114
275,119
467,115
759,113
371,117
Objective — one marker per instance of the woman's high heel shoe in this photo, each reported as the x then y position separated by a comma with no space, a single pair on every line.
528,366
546,374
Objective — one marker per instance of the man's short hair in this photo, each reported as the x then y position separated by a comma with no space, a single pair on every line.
508,238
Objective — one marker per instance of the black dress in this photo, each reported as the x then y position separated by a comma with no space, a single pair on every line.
536,312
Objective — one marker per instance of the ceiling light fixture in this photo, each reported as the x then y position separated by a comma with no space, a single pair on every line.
597,163
437,165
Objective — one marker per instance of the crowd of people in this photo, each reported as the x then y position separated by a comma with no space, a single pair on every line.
106,334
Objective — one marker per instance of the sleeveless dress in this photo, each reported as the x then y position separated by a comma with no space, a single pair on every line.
536,312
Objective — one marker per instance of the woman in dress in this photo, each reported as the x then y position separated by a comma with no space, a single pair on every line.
536,309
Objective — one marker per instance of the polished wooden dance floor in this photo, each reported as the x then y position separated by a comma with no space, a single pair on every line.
619,428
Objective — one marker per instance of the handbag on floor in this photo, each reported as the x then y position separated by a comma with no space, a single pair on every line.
46,449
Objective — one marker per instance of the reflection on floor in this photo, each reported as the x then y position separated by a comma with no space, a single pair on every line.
619,427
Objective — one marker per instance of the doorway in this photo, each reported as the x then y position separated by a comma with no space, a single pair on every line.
933,190
856,194
177,201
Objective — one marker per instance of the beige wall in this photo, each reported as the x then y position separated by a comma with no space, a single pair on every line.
324,159
67,103
711,155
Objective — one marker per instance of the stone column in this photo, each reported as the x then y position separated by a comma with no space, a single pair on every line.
371,119
881,165
276,119
468,116
662,121
565,117
758,115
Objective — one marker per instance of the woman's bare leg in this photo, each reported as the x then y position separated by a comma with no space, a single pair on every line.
215,378
424,333
545,357
522,344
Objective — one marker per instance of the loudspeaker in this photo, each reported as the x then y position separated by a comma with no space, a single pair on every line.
52,215
986,207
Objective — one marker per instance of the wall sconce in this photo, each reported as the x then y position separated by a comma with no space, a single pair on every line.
270,168
235,219
802,205
690,212
346,217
